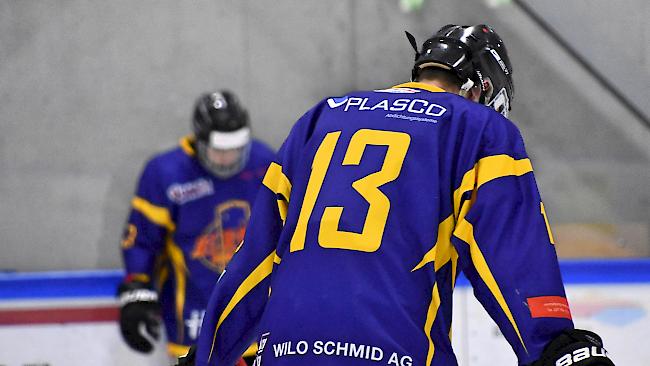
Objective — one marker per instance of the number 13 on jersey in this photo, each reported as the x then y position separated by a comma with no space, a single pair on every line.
329,235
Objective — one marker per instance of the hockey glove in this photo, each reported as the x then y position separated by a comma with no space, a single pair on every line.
139,315
575,347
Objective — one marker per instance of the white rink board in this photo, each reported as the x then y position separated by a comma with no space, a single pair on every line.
620,313
77,344
611,298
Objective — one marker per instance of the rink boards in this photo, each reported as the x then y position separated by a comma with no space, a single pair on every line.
70,318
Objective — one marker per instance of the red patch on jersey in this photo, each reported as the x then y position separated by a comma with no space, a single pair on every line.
549,307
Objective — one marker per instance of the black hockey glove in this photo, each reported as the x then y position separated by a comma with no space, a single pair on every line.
139,315
575,347
188,359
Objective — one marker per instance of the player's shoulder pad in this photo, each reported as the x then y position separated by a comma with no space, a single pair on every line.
575,347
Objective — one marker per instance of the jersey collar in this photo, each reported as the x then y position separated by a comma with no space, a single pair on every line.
416,85
187,143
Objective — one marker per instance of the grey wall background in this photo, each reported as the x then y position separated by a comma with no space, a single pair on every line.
90,89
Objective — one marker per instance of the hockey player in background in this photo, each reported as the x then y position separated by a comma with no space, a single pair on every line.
375,203
188,215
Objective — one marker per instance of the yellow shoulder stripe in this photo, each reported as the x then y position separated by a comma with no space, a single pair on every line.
262,271
278,183
156,214
465,232
488,169
186,144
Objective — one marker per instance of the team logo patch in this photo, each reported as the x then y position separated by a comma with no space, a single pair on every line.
217,244
181,193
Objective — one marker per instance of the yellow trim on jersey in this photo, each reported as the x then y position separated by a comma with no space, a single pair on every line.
156,214
186,144
440,254
424,86
465,232
278,183
142,277
431,317
262,271
180,272
277,259
488,169
251,350
548,226
177,350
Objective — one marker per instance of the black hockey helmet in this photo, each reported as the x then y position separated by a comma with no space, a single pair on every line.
477,55
218,111
220,123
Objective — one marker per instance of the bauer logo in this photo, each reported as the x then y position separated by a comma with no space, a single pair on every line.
579,355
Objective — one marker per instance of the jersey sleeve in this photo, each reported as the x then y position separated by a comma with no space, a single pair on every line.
149,223
505,244
241,293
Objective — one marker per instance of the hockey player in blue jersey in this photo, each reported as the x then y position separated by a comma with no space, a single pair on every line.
189,213
375,203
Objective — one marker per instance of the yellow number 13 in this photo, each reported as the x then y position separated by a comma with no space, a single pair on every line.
329,236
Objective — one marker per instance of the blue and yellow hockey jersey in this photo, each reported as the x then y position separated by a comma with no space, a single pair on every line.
183,228
375,203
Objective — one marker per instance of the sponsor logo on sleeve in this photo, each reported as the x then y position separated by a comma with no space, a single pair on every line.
549,307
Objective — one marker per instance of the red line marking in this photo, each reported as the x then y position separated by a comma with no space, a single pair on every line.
59,315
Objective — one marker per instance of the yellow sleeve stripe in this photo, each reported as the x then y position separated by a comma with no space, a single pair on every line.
262,271
465,232
488,169
156,214
278,183
548,226
180,272
428,324
277,259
